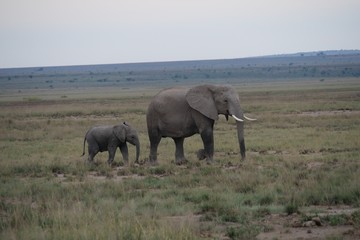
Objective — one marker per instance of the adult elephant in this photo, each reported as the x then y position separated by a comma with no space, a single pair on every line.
181,112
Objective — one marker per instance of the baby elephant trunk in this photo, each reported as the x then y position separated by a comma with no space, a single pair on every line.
137,144
135,141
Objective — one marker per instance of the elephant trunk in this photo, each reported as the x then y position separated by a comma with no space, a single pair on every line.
238,115
241,139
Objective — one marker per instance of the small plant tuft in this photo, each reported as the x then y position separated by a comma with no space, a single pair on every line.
291,208
355,216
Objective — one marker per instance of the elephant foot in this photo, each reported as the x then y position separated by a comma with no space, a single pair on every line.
153,158
153,163
181,161
201,154
111,164
90,162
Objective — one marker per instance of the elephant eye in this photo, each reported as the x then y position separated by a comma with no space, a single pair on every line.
225,100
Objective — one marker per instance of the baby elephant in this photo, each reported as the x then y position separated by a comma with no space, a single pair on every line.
108,138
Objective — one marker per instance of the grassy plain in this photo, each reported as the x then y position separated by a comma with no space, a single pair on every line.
303,153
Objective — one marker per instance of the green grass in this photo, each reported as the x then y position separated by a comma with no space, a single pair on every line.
293,160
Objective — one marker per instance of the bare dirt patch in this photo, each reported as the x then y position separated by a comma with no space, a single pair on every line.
116,174
95,176
268,152
314,165
192,221
312,226
329,113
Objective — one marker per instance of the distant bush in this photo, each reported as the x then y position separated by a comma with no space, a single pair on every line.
32,99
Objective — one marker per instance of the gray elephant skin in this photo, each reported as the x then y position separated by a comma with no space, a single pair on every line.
109,138
179,113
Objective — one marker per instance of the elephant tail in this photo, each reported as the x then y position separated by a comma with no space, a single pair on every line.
84,144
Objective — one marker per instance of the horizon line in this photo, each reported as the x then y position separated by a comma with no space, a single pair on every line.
188,60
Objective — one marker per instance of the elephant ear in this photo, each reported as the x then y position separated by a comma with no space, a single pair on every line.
120,132
201,99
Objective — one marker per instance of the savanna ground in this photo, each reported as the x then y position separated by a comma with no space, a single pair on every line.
301,178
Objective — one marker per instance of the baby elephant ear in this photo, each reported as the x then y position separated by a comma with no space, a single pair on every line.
201,99
120,132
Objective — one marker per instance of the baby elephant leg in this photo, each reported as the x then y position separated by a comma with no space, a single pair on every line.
112,151
91,157
92,152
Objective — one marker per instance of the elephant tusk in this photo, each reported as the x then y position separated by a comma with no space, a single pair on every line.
237,119
250,119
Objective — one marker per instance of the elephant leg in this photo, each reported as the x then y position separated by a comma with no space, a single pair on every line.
208,140
125,152
91,157
92,152
154,143
179,152
201,154
112,152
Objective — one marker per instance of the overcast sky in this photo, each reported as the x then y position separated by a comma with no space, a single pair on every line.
77,32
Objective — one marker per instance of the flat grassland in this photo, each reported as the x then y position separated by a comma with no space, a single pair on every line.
301,178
